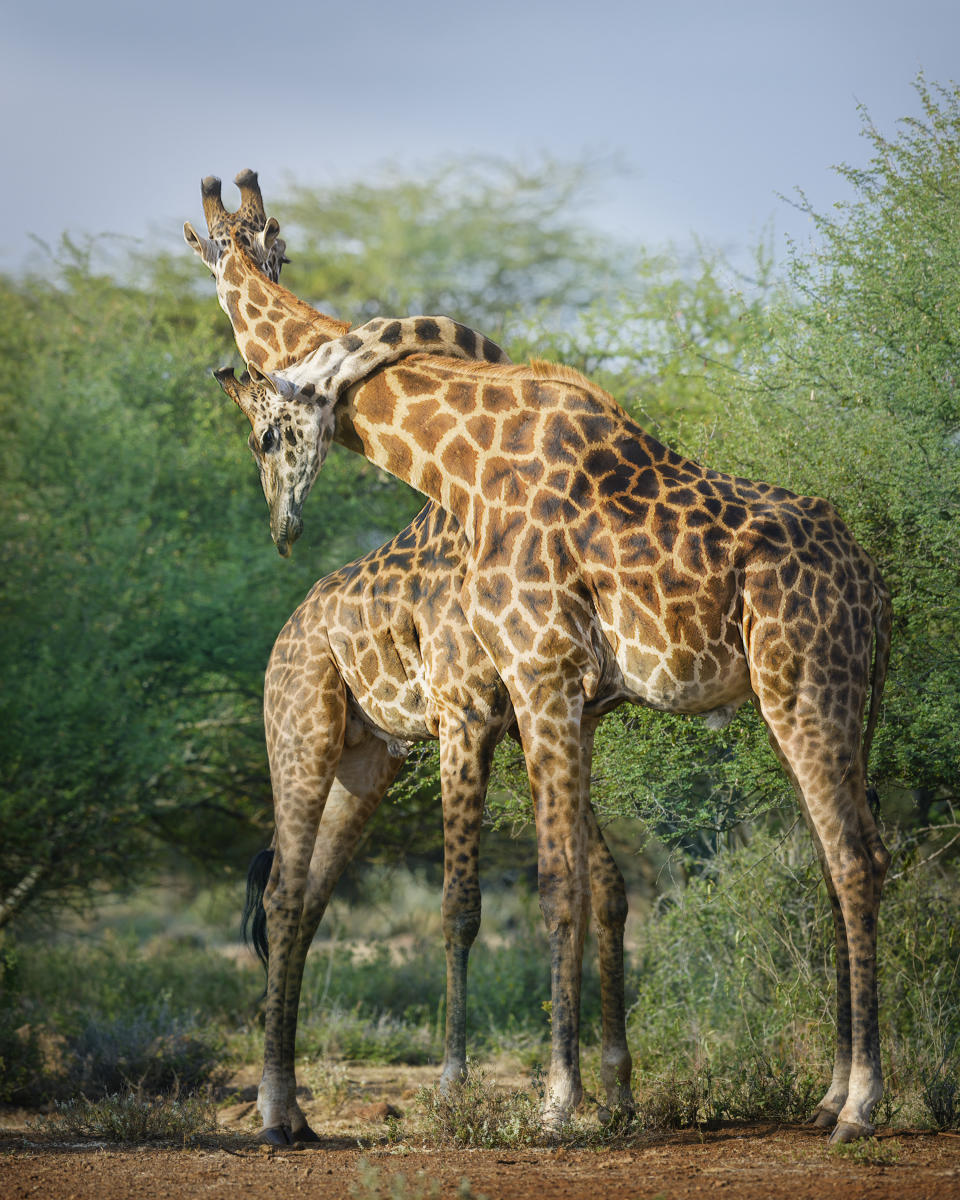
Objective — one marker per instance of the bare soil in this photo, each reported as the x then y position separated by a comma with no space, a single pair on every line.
752,1161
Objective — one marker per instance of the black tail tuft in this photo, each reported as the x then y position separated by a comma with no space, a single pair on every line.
253,925
873,799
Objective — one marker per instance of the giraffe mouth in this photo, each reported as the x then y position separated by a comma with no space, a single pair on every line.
286,533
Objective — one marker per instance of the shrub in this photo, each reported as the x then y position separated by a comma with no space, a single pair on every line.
130,1116
476,1113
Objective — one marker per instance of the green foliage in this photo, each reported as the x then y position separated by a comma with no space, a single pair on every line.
669,344
869,1152
140,592
371,1184
678,780
92,1017
477,1113
858,401
735,983
381,1004
116,975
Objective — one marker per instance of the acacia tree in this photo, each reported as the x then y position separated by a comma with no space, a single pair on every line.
140,592
859,401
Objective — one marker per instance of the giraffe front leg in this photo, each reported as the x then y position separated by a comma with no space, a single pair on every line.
552,748
466,751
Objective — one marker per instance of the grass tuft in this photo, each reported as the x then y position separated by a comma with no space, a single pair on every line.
132,1117
476,1113
372,1184
869,1152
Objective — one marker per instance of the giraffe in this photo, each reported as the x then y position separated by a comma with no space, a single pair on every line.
378,656
602,567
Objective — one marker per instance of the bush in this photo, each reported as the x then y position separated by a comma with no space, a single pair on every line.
735,985
96,1017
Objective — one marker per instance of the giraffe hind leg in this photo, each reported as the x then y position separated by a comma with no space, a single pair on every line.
304,715
822,759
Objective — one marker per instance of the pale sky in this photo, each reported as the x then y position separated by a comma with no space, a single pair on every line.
113,110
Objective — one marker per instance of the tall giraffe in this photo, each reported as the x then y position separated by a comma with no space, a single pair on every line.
604,567
378,656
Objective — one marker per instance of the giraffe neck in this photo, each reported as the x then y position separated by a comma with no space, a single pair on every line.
480,438
272,327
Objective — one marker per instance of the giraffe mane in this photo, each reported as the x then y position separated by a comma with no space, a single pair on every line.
537,368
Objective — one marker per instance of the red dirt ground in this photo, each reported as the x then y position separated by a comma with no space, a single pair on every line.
748,1161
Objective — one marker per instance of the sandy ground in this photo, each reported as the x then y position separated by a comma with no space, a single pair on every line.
753,1161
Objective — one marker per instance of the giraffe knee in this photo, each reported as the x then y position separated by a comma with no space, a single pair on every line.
460,928
609,901
461,915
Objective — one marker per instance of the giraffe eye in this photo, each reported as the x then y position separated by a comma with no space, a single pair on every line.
268,441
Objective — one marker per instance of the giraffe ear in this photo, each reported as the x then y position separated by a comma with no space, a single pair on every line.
283,387
204,247
271,231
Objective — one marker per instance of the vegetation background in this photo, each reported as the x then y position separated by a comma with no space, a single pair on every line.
140,596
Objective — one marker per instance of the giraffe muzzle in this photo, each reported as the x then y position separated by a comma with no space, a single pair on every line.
285,532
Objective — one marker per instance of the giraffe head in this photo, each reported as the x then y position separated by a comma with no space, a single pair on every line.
291,434
249,227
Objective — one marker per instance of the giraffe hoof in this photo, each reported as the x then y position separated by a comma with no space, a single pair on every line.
304,1136
823,1118
276,1135
616,1115
847,1131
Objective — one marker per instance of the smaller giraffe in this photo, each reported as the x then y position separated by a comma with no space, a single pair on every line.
379,656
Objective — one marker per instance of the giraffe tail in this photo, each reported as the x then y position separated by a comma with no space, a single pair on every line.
882,624
253,924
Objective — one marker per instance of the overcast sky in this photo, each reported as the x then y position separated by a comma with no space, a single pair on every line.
113,109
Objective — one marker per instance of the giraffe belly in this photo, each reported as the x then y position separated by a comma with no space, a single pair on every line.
712,682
